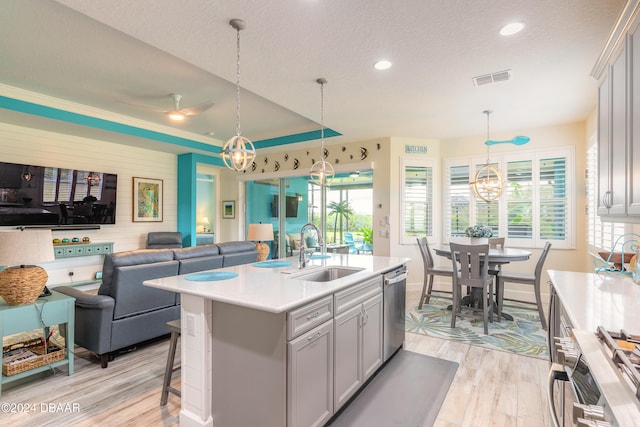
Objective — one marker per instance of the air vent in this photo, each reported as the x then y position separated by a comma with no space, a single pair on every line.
499,76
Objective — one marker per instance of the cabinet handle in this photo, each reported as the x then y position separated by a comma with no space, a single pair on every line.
607,199
365,315
314,336
311,316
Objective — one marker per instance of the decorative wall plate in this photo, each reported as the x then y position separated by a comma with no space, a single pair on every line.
276,166
253,166
325,153
363,153
286,157
296,163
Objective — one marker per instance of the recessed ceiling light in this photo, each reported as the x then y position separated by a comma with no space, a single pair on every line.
382,65
511,29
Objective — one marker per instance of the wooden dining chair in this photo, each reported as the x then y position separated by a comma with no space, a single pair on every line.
430,271
495,243
472,265
527,279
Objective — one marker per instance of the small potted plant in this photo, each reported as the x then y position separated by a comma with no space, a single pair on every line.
479,234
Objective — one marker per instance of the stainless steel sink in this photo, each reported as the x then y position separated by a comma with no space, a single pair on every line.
328,274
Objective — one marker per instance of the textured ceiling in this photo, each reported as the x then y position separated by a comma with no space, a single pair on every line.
127,57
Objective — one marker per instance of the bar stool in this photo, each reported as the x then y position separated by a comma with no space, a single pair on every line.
174,327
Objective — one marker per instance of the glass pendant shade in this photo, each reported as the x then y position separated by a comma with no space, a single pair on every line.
238,153
488,184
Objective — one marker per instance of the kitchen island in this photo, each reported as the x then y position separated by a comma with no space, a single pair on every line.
258,348
587,301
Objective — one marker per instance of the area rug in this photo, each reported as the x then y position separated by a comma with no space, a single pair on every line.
524,335
408,391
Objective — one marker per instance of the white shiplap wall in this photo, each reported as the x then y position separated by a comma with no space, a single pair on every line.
43,148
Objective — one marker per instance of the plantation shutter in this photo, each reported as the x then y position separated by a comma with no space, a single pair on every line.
519,195
553,198
416,197
600,235
487,213
458,200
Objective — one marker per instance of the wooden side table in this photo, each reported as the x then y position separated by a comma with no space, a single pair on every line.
57,309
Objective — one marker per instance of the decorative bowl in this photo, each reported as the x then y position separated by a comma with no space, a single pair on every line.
616,258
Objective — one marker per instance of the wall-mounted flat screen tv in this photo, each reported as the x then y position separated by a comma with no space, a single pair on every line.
291,203
42,195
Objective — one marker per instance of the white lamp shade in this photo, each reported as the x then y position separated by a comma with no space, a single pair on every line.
25,247
260,232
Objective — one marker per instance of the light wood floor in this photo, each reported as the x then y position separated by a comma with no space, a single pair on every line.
491,388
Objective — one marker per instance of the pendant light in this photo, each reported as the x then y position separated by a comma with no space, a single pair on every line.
238,152
488,183
322,172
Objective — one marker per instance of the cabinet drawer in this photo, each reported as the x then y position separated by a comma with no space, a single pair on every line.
309,316
357,294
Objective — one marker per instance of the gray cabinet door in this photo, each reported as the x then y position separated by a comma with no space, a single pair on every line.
310,377
372,353
604,148
348,351
618,186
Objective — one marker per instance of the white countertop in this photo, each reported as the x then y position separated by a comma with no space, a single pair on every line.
612,301
592,300
274,289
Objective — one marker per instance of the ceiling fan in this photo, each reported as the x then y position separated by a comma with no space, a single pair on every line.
516,140
179,114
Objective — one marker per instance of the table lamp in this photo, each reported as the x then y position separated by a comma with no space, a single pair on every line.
260,233
205,223
22,283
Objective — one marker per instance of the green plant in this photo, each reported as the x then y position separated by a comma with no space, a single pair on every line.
367,234
479,231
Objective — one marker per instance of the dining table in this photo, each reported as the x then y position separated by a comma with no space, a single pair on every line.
497,257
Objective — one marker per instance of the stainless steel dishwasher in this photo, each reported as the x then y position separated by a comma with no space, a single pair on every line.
395,284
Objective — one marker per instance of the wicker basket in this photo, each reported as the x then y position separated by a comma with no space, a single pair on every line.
37,347
22,285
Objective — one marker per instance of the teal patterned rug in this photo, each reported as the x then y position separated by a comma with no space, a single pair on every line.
524,335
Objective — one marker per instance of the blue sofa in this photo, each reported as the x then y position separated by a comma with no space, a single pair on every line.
125,312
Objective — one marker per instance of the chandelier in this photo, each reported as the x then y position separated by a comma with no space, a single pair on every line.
488,183
321,172
238,152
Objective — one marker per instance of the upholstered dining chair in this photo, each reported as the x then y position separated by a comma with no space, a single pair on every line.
471,263
430,271
527,279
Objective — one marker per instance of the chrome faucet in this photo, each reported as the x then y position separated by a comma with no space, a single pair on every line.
302,257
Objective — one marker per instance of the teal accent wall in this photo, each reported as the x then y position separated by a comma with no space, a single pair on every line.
81,119
292,139
188,193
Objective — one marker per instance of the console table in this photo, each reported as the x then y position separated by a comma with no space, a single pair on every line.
56,309
82,249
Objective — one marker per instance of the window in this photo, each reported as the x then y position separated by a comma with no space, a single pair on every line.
600,235
535,206
416,204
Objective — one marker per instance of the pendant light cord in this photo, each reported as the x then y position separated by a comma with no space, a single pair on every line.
238,84
322,118
488,112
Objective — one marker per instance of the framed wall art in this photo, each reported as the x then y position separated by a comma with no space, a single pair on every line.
228,209
147,200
